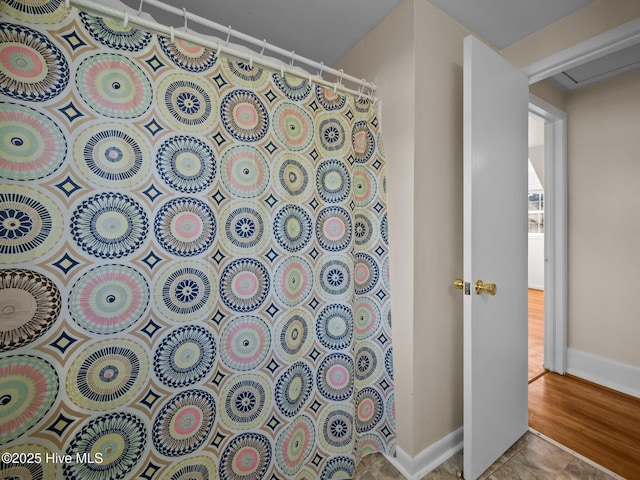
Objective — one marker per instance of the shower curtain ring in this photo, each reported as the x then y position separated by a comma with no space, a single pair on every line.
172,34
250,61
226,44
293,57
66,4
264,45
140,7
125,20
321,69
281,71
184,13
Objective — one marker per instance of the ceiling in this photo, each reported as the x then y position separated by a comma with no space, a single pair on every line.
325,30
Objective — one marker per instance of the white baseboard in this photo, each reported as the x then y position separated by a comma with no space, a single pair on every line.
609,373
414,468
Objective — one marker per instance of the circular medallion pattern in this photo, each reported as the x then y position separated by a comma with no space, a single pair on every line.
294,445
335,278
337,428
306,474
30,304
187,164
292,228
334,230
185,227
111,33
362,106
247,457
338,467
390,409
244,343
294,87
333,181
41,470
366,273
363,141
386,273
244,116
293,388
184,423
335,377
241,73
292,174
201,467
109,225
328,99
185,356
334,326
247,400
384,229
108,299
120,438
293,281
114,86
107,374
293,126
367,318
244,171
32,146
382,180
187,291
369,408
331,135
386,315
36,11
30,224
245,229
112,155
369,443
294,335
368,363
32,68
244,285
388,362
187,102
364,230
364,186
28,386
186,55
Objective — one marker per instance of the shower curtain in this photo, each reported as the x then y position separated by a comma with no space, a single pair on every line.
194,276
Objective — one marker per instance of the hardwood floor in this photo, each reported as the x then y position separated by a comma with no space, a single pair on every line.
536,333
601,424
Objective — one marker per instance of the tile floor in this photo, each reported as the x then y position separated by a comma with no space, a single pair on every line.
530,458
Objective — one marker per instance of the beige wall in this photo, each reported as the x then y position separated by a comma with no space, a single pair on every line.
604,218
415,58
598,17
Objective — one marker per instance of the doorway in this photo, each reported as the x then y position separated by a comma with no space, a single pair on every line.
536,241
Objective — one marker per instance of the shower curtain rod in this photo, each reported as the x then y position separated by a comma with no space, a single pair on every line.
224,47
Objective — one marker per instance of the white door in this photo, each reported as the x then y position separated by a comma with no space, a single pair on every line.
495,251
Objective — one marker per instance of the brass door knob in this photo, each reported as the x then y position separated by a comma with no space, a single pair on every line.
458,283
488,288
